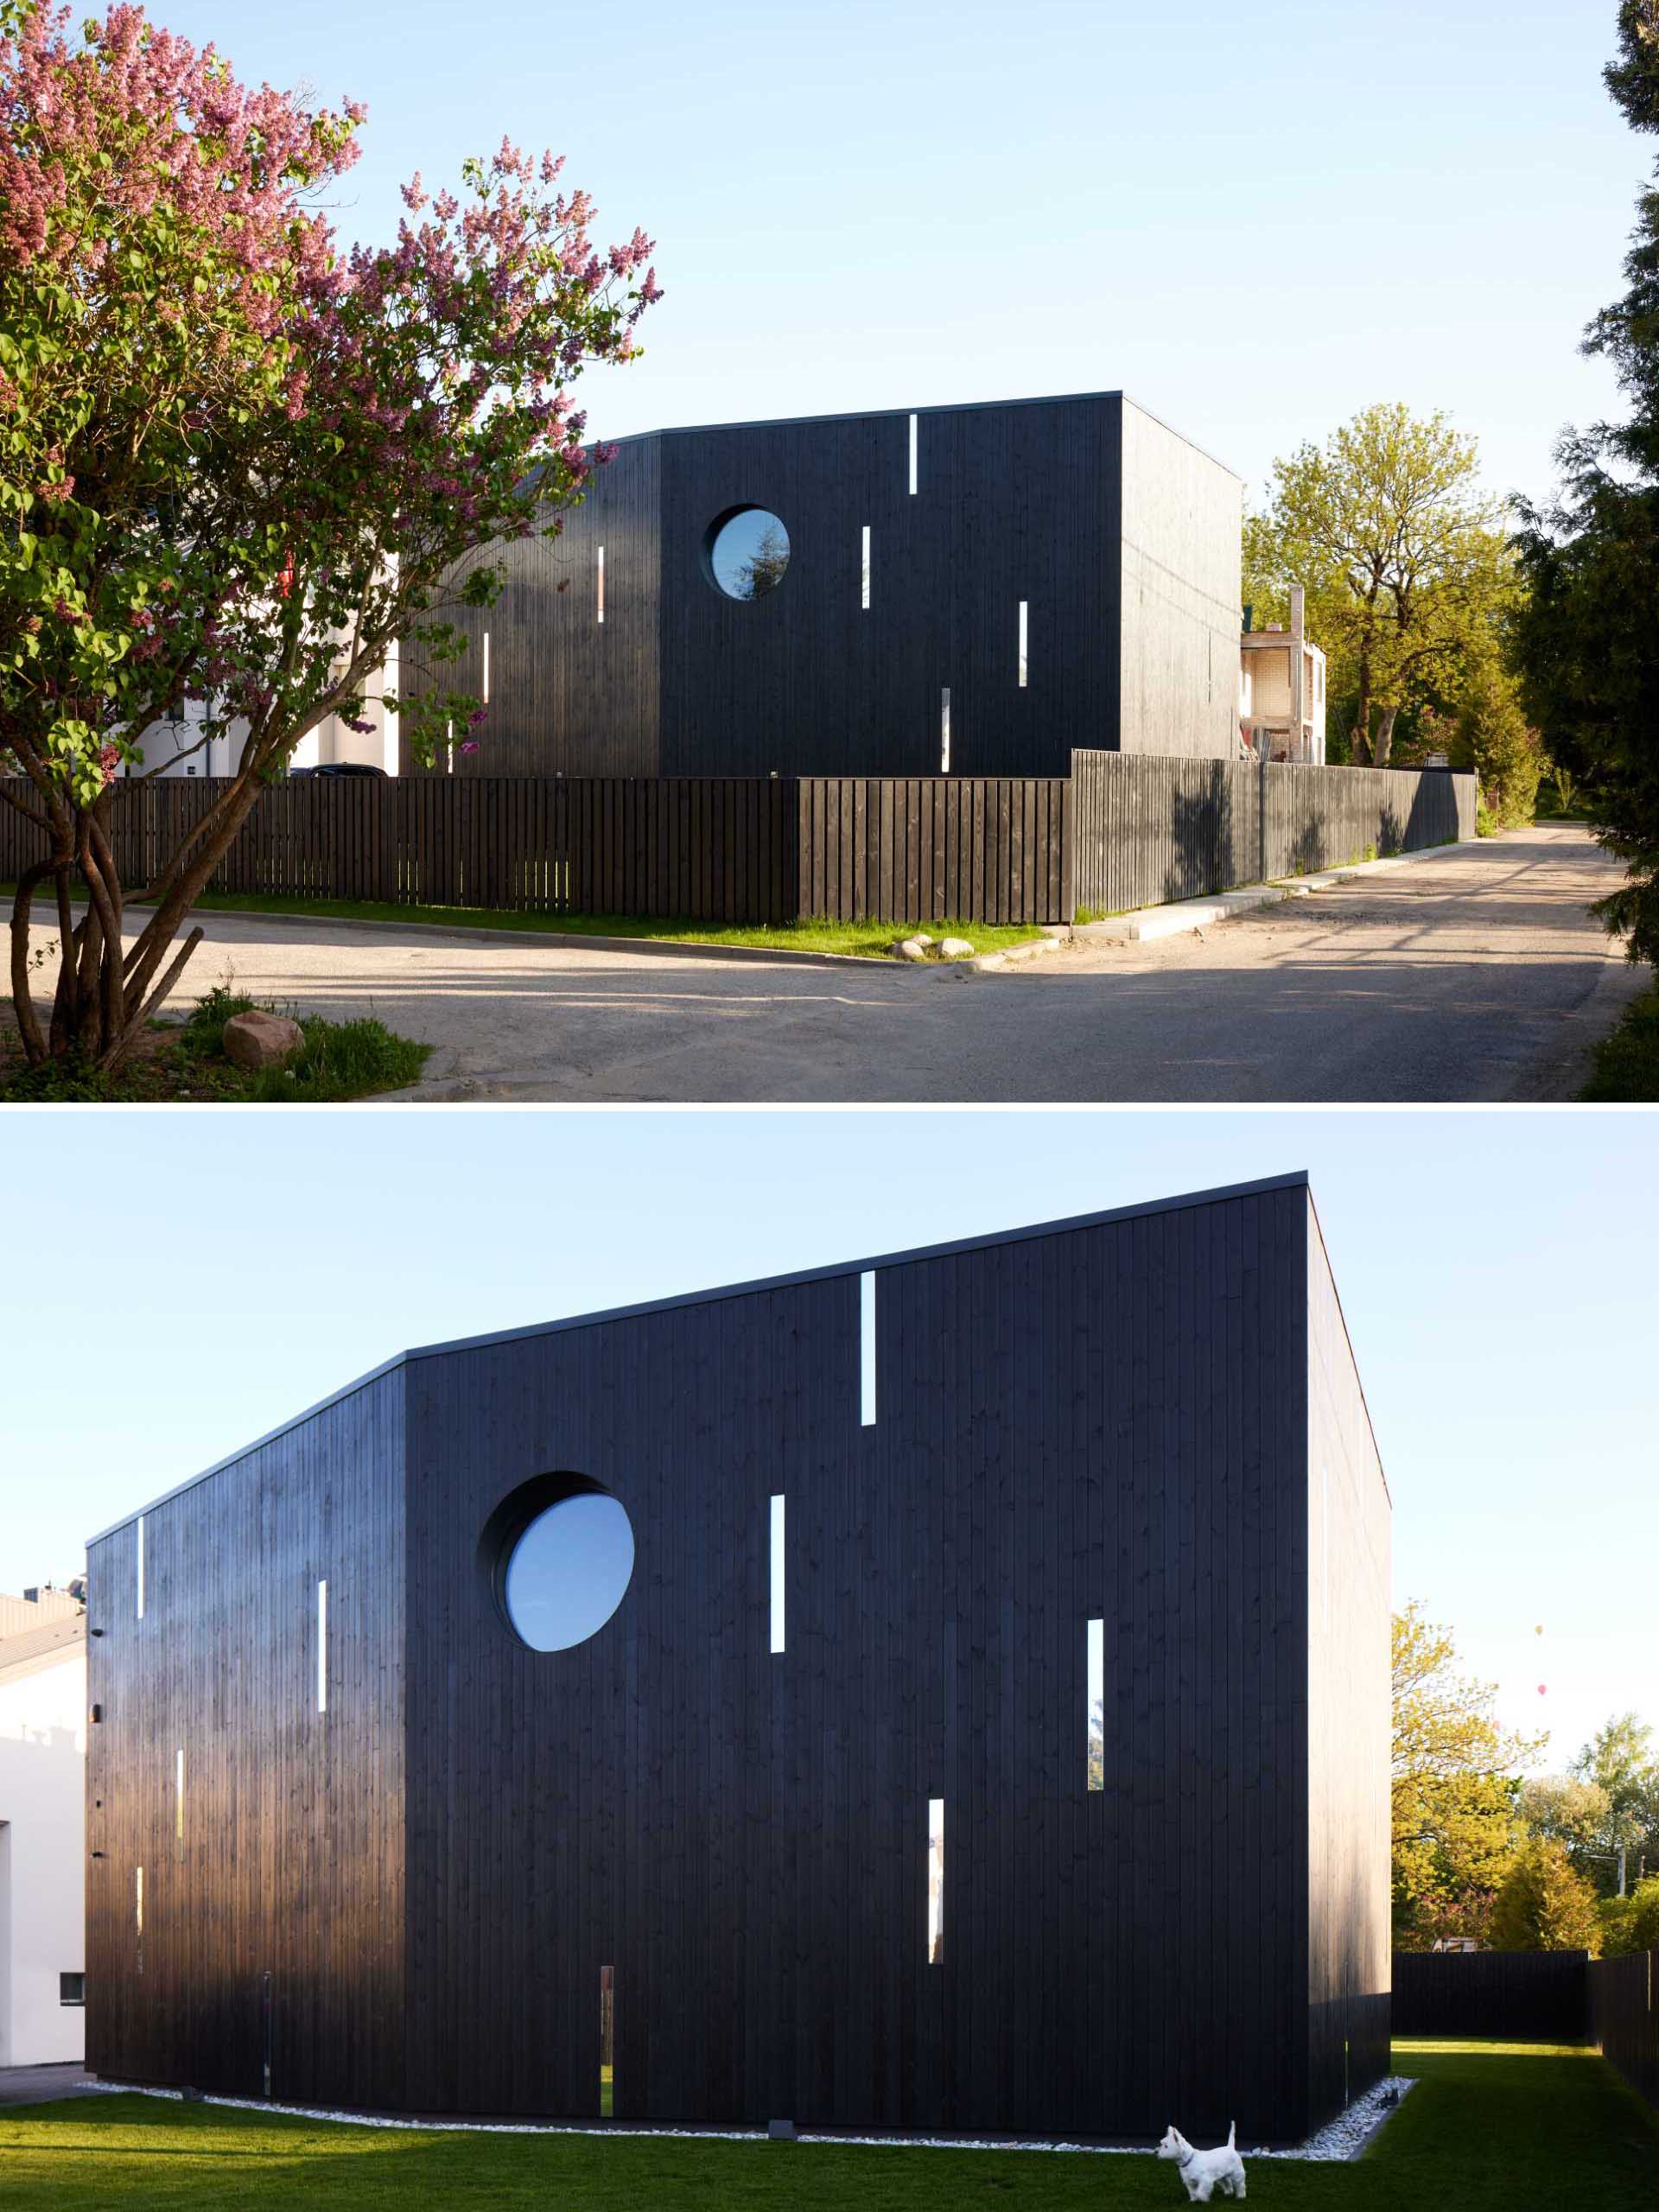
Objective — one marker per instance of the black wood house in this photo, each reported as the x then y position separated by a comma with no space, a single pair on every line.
961,590
945,1692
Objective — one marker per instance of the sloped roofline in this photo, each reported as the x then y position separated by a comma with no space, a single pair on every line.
1297,1179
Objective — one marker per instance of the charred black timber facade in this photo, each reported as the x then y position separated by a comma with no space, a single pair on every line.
1120,537
1149,1418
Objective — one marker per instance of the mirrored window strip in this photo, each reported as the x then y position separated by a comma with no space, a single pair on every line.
1023,606
936,1881
598,584
323,1647
864,567
1095,1714
912,454
140,1567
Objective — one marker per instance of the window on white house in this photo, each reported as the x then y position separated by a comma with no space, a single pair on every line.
72,1989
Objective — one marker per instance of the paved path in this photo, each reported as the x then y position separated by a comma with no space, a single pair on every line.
43,2085
1478,976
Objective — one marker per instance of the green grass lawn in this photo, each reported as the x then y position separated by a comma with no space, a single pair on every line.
1526,2128
864,940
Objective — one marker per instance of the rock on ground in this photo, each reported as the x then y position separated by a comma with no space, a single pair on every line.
262,1040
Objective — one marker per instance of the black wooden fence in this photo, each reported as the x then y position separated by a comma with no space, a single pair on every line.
1518,1996
1123,831
730,849
1624,2020
1147,830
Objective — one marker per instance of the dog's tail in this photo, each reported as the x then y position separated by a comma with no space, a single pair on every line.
1231,2126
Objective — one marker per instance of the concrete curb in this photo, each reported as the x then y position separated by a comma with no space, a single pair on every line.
584,941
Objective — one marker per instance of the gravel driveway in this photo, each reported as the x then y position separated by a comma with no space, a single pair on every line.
1476,975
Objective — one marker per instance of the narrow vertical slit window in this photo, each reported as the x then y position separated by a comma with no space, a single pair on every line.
449,748
912,454
178,1801
1023,605
140,1567
598,584
1324,1546
138,1918
487,667
778,1575
944,732
864,567
936,1881
323,1647
867,1351
1095,1713
607,2043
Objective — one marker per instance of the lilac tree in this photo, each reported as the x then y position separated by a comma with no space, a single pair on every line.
237,463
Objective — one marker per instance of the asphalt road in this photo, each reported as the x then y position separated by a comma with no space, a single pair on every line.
1473,975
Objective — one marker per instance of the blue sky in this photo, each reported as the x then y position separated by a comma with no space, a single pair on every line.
1496,1269
1257,220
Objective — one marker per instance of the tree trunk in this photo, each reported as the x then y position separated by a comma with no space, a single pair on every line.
1385,737
105,991
1361,745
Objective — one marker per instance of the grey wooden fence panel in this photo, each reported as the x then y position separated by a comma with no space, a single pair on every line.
1146,831
1521,1996
1624,2020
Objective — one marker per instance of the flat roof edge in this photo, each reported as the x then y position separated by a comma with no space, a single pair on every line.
892,414
1297,1178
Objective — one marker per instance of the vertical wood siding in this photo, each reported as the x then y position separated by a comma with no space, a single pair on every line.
1110,1421
1624,1996
291,1863
734,849
1516,1996
1021,501
1147,830
1348,1720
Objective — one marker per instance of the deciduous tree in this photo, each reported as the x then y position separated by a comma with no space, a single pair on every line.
1455,1773
237,463
1408,568
1588,642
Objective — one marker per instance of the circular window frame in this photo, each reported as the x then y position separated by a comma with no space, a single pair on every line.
711,538
512,1520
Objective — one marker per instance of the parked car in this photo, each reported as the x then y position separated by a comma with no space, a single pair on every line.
338,768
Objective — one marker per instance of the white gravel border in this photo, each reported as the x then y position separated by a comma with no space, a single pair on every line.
1341,2138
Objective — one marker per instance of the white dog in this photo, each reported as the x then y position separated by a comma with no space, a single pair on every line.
1205,2171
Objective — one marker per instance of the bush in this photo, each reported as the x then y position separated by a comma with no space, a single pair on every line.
1632,1923
1507,754
1626,1065
1545,1904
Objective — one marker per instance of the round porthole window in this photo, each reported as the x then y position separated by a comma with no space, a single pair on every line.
746,552
563,1564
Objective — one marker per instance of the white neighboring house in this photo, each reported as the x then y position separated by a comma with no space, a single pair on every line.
42,1828
177,748
1274,710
